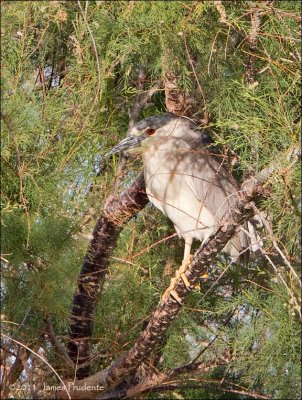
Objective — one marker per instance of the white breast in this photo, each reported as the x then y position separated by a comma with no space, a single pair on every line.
168,188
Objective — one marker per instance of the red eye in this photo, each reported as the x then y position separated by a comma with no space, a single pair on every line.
150,131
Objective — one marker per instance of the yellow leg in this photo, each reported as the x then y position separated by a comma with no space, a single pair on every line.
180,273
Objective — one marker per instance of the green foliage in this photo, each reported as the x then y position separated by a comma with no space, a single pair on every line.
69,79
126,302
265,341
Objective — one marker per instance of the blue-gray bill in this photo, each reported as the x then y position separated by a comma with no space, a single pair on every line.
128,143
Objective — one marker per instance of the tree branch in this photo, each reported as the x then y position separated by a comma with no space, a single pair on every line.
56,343
141,98
168,310
253,40
116,213
162,378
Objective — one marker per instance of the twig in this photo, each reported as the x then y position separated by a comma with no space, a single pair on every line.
24,318
205,112
141,98
180,385
98,89
146,249
220,8
163,378
286,14
275,244
297,307
59,346
212,51
41,358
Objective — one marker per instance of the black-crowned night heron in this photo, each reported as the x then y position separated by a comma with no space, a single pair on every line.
184,178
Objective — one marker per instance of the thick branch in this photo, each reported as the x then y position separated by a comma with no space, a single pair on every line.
167,311
116,213
161,378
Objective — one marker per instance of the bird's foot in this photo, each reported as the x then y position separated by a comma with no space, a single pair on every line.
204,277
171,291
180,273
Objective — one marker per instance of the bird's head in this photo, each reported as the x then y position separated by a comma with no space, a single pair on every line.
148,130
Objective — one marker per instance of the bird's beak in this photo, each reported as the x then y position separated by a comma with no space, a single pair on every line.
128,143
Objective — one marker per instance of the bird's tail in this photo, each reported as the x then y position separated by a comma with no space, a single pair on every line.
250,239
247,244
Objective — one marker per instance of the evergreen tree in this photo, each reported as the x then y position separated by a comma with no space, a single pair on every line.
72,73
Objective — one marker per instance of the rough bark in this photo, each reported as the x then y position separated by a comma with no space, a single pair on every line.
116,213
253,41
168,310
159,380
175,98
